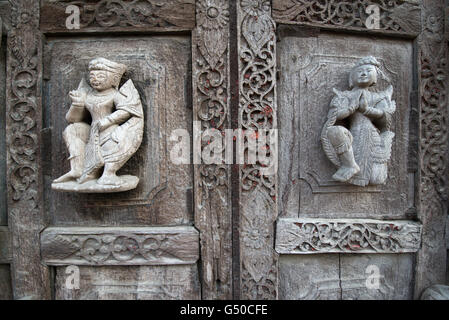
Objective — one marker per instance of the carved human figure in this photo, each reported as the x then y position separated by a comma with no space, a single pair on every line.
99,149
356,136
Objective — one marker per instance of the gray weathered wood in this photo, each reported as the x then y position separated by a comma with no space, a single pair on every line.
211,101
433,147
399,17
5,282
257,111
131,283
119,245
120,16
312,236
26,217
5,245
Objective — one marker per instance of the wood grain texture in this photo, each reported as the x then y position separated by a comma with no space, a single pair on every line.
258,188
211,101
5,245
24,171
433,146
5,282
178,282
119,246
396,17
312,236
120,15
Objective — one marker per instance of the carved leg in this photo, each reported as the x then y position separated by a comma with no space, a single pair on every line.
109,176
341,140
75,137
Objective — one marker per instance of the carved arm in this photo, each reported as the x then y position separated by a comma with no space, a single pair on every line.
116,117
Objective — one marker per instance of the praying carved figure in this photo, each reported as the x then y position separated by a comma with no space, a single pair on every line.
100,148
356,136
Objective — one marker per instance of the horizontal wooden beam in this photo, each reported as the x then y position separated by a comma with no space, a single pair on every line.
400,17
311,236
5,246
117,16
119,245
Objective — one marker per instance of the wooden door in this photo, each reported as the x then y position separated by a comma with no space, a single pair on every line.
225,230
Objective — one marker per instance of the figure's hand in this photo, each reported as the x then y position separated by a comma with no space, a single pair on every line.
363,105
77,97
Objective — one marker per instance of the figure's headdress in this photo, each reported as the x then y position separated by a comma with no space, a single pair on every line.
117,69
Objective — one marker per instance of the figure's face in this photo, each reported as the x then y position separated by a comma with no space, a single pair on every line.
100,80
365,76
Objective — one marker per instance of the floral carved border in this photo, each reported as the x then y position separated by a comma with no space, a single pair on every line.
120,246
396,16
257,111
311,236
211,111
121,14
23,125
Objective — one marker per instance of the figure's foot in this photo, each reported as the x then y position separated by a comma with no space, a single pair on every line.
69,176
345,173
110,180
86,178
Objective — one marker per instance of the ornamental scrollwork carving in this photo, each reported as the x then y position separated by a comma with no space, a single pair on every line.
394,15
347,236
128,14
257,86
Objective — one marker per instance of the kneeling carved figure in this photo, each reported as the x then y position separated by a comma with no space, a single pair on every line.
356,136
99,149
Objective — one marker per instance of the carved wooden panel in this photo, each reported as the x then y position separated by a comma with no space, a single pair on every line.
154,67
395,17
311,236
307,187
178,282
5,247
257,111
3,211
120,15
211,101
120,246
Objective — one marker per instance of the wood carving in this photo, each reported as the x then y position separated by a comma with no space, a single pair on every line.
309,236
362,150
397,16
257,111
121,15
113,136
212,181
120,246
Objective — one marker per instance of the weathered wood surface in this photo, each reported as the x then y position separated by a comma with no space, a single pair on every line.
5,14
26,217
3,212
5,245
211,101
398,17
120,15
131,283
119,245
5,282
346,277
312,236
159,67
257,111
432,192
305,177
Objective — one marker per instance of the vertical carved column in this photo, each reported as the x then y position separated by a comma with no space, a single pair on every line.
211,98
433,80
24,175
257,111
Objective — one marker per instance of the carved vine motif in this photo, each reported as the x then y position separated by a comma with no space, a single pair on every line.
347,236
257,83
99,249
263,289
24,98
134,13
395,15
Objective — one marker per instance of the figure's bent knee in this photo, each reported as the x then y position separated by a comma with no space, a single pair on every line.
340,138
78,130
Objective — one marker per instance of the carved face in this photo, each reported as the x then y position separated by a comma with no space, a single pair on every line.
100,80
365,76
